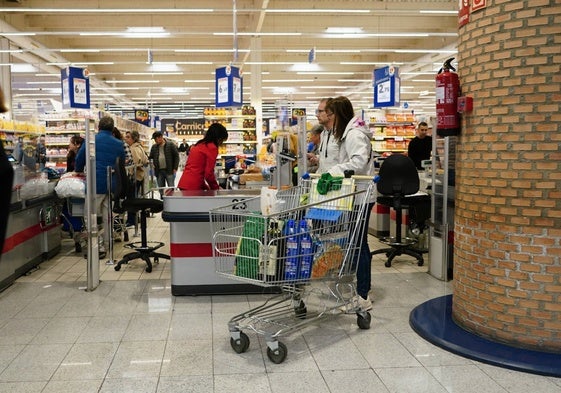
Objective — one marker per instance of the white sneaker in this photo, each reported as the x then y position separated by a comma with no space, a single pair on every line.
364,304
357,303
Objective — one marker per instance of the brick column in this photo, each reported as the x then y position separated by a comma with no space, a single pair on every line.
507,273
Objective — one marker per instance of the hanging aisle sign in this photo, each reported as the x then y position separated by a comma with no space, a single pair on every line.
75,87
229,87
386,87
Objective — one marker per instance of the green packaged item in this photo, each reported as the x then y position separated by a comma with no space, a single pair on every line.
247,252
328,183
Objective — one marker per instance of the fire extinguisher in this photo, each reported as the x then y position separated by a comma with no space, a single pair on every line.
447,93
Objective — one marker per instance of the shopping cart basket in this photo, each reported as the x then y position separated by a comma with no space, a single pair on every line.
309,249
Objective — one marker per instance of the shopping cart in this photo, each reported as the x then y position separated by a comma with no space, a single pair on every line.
72,214
313,264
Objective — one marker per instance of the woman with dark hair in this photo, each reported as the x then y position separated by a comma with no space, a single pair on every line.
73,147
355,154
199,170
128,154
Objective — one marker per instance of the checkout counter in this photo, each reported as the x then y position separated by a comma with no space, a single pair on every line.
34,232
193,270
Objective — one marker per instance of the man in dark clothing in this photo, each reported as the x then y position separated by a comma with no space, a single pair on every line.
165,156
184,147
420,147
183,153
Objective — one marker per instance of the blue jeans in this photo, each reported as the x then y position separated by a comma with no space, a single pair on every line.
163,177
363,271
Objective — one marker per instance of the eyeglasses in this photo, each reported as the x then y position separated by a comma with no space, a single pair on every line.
318,111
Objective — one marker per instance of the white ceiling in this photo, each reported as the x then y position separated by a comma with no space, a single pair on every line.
273,39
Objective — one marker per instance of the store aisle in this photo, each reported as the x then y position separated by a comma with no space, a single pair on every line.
131,335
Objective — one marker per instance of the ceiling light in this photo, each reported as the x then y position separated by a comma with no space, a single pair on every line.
324,50
114,88
286,80
438,51
344,30
317,11
365,63
445,12
134,81
305,67
146,32
354,80
324,73
106,94
209,50
85,64
320,87
164,66
42,82
80,50
22,68
145,29
135,10
278,33
153,73
16,33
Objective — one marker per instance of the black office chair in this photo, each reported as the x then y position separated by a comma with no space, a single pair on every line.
398,179
144,249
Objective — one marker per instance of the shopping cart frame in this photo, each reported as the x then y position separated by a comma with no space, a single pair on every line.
289,311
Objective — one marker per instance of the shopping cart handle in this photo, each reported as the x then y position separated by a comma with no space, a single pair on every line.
375,179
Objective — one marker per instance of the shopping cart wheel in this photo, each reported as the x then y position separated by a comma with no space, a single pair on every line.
363,320
301,310
278,355
241,344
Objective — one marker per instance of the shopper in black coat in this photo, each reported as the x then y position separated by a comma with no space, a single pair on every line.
420,147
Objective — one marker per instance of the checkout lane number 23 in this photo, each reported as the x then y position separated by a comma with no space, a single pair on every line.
238,204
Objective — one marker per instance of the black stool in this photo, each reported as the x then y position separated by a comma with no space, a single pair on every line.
143,249
399,180
401,244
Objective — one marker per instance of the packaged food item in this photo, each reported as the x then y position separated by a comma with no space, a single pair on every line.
329,260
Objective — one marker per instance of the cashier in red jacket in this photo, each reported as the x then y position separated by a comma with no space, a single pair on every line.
199,170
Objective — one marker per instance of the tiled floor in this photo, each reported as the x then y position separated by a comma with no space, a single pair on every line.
131,335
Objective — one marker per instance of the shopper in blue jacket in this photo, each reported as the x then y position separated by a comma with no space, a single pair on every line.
107,149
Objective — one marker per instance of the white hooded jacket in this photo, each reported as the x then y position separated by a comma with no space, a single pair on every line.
328,151
355,151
